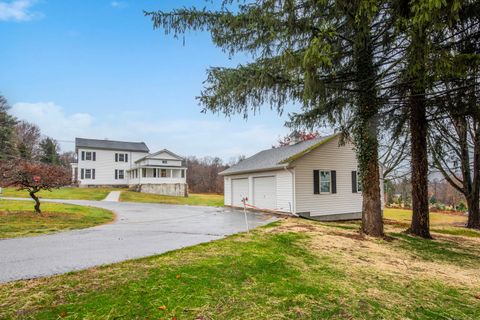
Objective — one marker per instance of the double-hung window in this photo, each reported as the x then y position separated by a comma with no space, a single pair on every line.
119,174
121,157
89,156
87,174
325,182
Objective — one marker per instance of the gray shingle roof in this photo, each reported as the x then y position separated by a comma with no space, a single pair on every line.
111,145
275,158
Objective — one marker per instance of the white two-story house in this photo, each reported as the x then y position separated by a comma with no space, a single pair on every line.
128,164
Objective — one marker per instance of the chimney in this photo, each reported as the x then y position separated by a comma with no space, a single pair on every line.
295,137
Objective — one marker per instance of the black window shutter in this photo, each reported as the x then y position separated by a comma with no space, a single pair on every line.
93,174
116,174
316,182
126,157
82,174
333,174
116,157
94,156
83,155
354,181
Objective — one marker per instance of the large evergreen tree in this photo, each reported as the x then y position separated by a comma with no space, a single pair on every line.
49,151
7,131
320,54
455,134
425,58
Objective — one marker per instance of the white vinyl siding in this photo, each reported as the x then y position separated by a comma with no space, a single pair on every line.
328,157
161,159
105,166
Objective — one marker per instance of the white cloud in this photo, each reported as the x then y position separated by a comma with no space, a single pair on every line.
17,10
118,4
184,136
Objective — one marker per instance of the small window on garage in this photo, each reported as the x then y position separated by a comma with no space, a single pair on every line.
325,181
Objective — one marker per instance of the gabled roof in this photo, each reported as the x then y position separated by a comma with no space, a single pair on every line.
276,158
111,145
152,155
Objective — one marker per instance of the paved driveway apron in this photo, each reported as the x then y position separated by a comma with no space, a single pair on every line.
140,230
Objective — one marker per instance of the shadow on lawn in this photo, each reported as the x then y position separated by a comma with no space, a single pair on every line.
437,250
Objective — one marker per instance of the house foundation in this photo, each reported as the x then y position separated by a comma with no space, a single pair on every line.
166,189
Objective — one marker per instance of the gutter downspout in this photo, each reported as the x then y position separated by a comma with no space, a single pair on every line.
293,209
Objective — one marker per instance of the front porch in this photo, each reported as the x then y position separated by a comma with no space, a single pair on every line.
169,181
156,175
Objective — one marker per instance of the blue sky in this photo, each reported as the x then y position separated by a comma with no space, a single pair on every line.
97,69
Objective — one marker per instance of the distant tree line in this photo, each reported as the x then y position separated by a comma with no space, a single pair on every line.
202,173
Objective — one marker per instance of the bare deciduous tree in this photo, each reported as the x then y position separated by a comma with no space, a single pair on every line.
27,139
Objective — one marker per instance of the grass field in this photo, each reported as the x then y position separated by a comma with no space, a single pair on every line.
446,223
17,218
62,193
194,199
292,269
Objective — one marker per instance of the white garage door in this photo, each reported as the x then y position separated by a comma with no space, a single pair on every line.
239,191
264,193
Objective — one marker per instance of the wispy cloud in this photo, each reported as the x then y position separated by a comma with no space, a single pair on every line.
118,4
184,136
17,10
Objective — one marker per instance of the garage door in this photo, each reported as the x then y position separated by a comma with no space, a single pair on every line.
264,192
239,190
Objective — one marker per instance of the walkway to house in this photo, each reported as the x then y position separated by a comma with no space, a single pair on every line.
140,230
113,196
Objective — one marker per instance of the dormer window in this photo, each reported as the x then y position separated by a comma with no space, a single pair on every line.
164,161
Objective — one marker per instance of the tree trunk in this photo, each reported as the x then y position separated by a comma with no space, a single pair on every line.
473,208
418,135
366,131
473,212
372,216
37,202
418,127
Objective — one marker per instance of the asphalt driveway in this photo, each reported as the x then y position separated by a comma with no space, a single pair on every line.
140,230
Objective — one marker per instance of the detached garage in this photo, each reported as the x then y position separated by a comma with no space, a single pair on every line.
315,179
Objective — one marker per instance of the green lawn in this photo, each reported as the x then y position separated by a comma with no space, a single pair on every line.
194,199
17,218
445,223
62,193
292,269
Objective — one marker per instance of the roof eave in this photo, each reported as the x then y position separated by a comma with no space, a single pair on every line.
278,167
111,149
304,152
